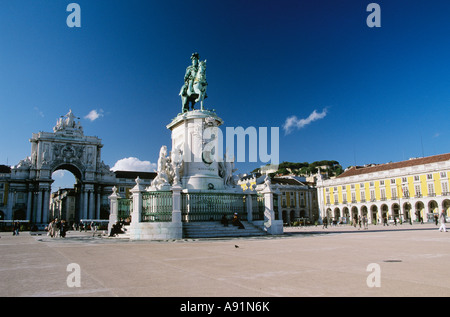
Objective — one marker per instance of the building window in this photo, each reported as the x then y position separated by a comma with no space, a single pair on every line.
393,181
372,195
363,196
405,191
383,194
443,174
382,183
444,188
404,180
429,176
417,190
431,190
416,178
344,198
353,198
394,193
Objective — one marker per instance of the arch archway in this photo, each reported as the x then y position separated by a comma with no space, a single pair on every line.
66,148
407,211
419,211
345,215
384,209
433,210
395,208
446,206
354,214
337,214
374,214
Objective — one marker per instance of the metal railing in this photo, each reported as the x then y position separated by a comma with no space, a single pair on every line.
156,207
125,206
258,207
212,206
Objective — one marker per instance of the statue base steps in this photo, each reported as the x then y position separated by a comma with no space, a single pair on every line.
215,229
155,231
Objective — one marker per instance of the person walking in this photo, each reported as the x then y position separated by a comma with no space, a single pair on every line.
324,223
16,227
62,229
442,222
52,228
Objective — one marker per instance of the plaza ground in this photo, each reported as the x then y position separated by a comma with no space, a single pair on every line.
413,260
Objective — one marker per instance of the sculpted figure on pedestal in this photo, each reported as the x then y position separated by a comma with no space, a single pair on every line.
194,88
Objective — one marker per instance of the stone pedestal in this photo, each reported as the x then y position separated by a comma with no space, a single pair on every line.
196,134
114,209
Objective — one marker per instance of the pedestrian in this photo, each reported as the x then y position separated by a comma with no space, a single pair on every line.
324,223
62,229
359,222
16,227
436,220
51,228
385,222
442,221
365,222
237,222
224,220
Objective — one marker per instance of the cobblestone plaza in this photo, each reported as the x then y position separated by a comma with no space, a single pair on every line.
303,262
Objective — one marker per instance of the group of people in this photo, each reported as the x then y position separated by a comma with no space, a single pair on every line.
57,228
117,228
235,221
361,221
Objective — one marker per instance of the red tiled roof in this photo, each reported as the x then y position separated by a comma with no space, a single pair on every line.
358,170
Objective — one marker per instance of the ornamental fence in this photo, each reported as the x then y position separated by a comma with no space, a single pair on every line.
156,206
125,206
212,206
169,206
258,207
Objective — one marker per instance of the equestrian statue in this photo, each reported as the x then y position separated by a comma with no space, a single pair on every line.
194,88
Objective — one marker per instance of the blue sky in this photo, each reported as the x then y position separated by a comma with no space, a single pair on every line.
379,94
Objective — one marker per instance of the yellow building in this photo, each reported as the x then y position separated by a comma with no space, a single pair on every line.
297,198
412,190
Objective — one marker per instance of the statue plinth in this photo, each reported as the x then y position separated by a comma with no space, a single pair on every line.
195,134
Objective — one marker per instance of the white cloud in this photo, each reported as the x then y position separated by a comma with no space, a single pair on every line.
39,112
293,122
133,164
58,174
94,114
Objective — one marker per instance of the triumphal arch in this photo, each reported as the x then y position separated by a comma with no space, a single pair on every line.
65,148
